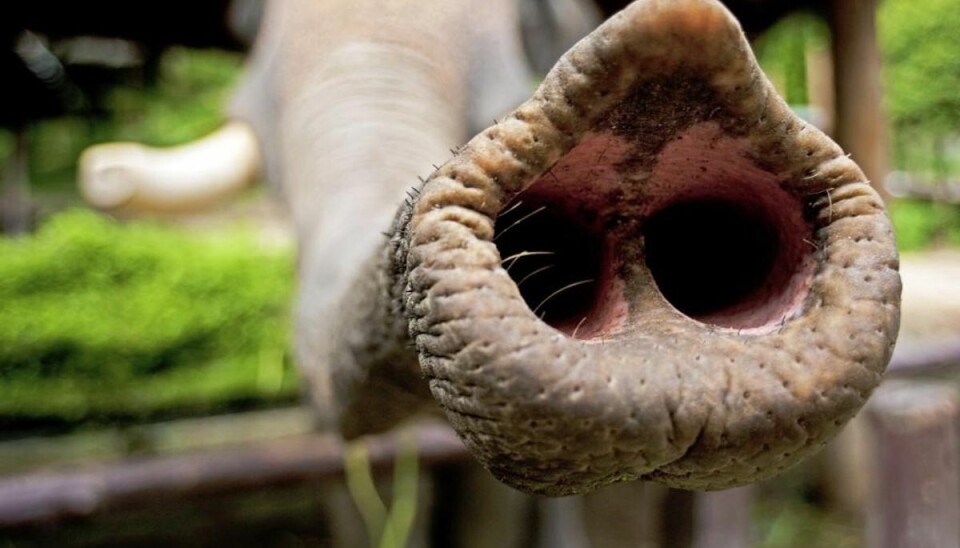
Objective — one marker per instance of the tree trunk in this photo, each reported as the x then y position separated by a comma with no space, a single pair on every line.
917,499
860,125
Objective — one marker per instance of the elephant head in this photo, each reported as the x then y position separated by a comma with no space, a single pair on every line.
650,270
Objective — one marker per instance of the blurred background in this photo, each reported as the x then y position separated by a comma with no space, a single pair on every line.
129,335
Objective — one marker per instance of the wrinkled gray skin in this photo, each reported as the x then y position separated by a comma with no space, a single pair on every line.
352,102
662,106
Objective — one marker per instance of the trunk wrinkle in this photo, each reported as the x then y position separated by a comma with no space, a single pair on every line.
565,415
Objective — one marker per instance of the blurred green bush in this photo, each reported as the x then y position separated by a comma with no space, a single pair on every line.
921,67
184,103
919,224
188,101
108,320
921,47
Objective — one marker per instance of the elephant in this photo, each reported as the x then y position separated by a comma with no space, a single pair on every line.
645,139
720,293
139,178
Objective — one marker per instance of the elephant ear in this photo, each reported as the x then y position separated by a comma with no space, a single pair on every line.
650,270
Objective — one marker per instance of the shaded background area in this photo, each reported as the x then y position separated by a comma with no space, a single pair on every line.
108,325
107,320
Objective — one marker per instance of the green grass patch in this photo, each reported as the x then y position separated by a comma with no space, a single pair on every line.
102,319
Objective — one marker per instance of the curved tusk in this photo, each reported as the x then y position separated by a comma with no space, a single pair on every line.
182,178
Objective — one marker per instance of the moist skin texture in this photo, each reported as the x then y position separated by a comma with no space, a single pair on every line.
656,133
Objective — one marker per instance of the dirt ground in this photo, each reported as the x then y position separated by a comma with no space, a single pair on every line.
931,301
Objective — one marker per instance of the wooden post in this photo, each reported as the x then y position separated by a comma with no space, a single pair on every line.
677,519
15,209
916,500
860,125
626,515
721,519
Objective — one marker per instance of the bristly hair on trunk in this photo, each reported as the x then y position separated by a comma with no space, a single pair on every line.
652,269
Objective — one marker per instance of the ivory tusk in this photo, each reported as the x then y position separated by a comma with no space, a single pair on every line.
192,176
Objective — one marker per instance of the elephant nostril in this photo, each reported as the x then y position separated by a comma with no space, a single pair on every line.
554,260
711,255
727,259
723,242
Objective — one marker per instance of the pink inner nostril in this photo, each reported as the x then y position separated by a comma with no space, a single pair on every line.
709,255
723,242
728,262
554,259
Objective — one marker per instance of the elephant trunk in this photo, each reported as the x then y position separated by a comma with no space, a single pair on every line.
347,119
650,270
363,148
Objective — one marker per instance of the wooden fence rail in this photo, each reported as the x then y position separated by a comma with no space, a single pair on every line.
45,496
914,423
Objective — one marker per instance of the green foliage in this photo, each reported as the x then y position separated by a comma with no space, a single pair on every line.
925,154
781,52
919,224
919,42
103,319
921,49
391,526
920,46
186,103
